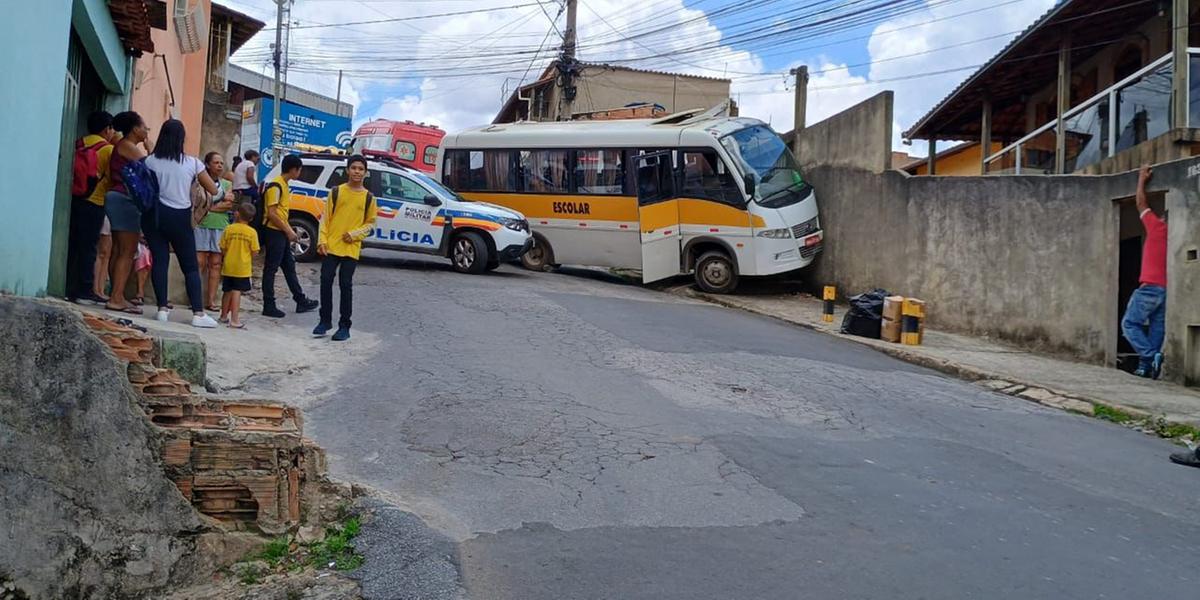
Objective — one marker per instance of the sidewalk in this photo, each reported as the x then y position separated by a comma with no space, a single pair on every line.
1063,384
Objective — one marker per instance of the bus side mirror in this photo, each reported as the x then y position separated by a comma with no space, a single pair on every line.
748,183
432,200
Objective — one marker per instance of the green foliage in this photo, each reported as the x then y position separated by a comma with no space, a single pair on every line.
336,549
276,551
1115,415
284,554
248,574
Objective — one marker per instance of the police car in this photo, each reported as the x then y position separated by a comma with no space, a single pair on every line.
416,214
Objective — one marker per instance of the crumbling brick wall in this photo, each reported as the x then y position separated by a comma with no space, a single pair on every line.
242,462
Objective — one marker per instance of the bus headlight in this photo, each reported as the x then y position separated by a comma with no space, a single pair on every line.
514,224
776,234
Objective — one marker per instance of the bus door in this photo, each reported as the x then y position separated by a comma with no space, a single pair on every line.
658,215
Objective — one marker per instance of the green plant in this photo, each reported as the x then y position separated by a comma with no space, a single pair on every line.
1115,415
1167,429
276,551
249,574
336,548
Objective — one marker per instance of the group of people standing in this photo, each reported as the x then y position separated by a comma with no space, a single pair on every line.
207,217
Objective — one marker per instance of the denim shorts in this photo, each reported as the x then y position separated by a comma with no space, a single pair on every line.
123,213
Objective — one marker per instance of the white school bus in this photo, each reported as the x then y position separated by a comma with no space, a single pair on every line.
720,197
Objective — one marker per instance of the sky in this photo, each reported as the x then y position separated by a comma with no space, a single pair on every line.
454,70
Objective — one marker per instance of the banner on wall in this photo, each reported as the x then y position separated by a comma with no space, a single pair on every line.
300,125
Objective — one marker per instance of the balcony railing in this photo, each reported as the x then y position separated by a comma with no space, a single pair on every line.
1135,109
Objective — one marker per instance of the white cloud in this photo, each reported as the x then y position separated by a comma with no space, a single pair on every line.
474,45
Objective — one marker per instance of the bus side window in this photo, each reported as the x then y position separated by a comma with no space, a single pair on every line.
704,176
544,171
599,172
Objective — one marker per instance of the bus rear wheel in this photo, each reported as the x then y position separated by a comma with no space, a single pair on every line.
716,273
540,257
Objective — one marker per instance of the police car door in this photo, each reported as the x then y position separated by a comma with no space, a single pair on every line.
658,215
411,215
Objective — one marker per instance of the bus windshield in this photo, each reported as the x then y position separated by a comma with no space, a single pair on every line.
379,142
758,151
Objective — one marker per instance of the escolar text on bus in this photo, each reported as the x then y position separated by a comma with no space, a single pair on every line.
573,208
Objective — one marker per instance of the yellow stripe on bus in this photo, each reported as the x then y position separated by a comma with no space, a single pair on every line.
547,206
686,211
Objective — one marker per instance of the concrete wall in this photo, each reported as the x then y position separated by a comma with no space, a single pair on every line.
219,132
183,74
1028,259
33,59
850,139
600,88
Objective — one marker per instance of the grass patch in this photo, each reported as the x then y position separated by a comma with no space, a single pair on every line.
249,574
284,554
1115,415
1159,426
336,549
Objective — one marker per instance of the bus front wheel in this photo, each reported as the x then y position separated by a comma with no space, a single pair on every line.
716,273
540,257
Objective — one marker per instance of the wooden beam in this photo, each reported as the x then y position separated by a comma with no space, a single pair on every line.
932,160
1179,47
985,135
1064,102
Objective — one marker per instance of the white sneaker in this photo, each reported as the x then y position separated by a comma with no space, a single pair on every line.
203,321
163,315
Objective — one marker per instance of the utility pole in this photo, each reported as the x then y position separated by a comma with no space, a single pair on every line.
801,75
287,47
568,48
276,130
339,94
567,66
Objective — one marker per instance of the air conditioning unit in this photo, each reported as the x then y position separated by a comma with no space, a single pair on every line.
190,25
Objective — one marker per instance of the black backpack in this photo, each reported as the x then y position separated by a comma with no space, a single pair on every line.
260,208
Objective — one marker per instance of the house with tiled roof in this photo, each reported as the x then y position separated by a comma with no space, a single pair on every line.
1091,86
573,89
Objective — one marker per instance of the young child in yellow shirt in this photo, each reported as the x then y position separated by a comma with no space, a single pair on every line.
239,244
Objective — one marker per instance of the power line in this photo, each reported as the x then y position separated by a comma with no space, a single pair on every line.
414,17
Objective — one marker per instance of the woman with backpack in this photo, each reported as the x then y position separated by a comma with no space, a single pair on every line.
123,212
169,225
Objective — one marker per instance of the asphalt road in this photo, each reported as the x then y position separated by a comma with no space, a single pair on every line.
567,436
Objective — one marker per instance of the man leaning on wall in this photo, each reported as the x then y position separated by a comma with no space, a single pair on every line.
1144,324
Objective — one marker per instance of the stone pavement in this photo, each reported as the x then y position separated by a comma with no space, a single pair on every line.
1050,381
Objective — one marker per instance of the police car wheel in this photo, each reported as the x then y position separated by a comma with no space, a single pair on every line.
469,253
305,247
715,273
540,257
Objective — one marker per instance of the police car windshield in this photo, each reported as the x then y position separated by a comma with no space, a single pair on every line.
439,190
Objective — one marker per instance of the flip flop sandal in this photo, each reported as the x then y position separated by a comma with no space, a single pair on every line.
238,326
212,308
131,309
138,301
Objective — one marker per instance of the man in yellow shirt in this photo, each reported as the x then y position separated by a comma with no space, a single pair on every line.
89,167
277,238
348,219
239,244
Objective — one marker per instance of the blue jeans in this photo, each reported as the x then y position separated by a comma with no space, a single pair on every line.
1144,324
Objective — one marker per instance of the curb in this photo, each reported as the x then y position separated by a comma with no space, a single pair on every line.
1137,419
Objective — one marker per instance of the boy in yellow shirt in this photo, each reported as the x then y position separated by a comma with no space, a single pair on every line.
348,219
239,244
